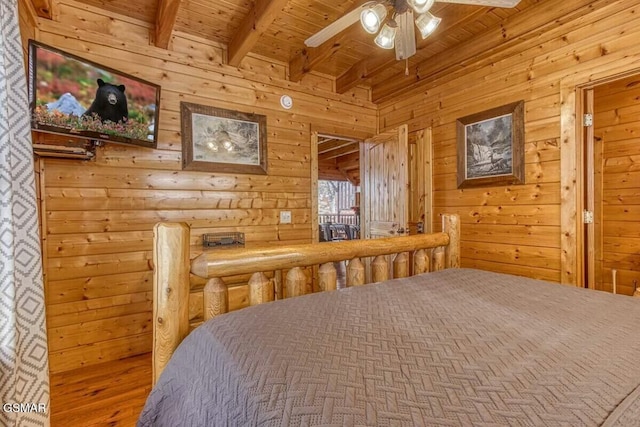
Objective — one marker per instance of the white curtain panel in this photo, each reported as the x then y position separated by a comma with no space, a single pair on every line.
24,371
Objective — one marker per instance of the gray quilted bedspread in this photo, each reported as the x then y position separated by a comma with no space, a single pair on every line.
457,347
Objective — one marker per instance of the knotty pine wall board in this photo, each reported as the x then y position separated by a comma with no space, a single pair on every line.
98,215
617,184
516,229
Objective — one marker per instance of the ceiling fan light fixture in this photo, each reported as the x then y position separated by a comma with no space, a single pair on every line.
421,6
387,36
371,18
427,24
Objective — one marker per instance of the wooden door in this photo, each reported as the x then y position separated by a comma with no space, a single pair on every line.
616,186
385,173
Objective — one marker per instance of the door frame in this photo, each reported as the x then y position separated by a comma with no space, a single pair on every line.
589,192
572,164
422,186
338,132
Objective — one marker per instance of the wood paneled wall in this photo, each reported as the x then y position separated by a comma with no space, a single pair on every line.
98,215
27,22
420,178
617,184
517,229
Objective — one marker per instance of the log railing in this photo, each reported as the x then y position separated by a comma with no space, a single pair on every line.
338,218
174,273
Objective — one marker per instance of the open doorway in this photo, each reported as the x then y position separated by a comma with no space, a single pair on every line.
338,188
392,170
612,178
338,211
337,193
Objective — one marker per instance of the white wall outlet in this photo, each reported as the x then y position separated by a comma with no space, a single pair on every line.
285,217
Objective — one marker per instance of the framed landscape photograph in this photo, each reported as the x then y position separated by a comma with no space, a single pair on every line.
491,147
219,140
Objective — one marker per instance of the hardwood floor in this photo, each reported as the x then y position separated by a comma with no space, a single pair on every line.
109,394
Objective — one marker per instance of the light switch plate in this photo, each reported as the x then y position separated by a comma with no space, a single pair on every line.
285,217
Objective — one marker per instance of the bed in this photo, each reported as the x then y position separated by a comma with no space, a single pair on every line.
447,347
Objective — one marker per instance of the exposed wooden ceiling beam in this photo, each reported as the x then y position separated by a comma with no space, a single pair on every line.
311,57
349,149
338,135
263,13
539,19
332,145
331,170
331,163
166,16
349,162
363,70
322,140
331,175
368,67
328,170
43,8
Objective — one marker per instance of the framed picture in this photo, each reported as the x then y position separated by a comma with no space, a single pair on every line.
491,147
219,140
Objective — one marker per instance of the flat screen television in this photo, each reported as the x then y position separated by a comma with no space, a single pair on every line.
76,97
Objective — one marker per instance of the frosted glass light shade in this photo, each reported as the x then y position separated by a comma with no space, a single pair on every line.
421,6
372,17
387,36
427,24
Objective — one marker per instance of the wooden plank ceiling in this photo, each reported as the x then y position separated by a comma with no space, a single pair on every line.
339,159
276,29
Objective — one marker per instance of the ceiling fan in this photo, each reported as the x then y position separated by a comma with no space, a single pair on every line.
399,30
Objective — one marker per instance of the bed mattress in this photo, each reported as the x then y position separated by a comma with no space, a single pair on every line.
453,348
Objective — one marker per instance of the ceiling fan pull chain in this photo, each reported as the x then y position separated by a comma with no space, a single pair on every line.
406,67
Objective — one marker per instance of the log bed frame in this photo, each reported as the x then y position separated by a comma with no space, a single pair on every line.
177,280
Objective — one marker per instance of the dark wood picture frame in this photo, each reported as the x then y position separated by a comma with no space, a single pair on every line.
491,147
219,140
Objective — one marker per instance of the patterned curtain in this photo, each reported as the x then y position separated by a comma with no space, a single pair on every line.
24,370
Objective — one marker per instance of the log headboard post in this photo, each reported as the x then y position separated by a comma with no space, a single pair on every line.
451,226
170,291
174,271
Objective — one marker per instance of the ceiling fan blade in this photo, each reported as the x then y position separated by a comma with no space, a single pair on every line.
335,27
406,36
493,3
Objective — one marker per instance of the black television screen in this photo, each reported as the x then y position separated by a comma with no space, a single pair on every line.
73,96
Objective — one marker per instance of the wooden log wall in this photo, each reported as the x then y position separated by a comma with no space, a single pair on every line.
27,21
98,215
516,229
617,184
